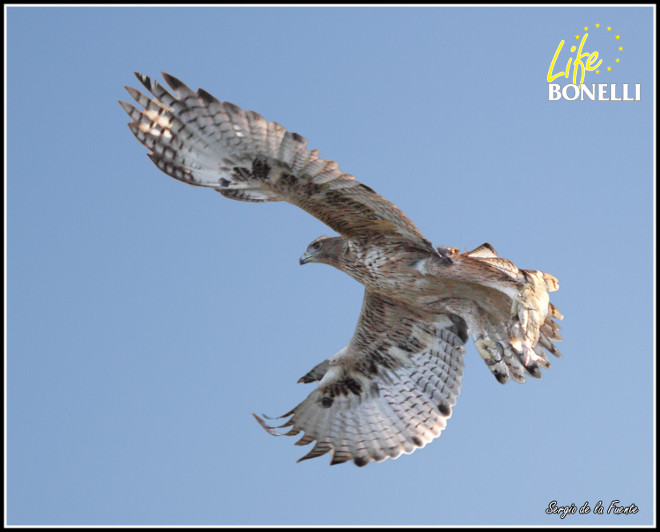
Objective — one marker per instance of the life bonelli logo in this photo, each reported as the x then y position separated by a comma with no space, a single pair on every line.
599,65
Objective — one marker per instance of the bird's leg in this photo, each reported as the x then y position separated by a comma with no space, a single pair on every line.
530,354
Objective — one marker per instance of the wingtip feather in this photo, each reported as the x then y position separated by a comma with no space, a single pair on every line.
173,82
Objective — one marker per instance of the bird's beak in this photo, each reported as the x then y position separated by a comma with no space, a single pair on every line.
304,258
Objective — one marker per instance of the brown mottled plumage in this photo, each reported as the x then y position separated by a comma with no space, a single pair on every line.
391,389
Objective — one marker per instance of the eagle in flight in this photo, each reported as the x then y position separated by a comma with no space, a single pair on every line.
391,389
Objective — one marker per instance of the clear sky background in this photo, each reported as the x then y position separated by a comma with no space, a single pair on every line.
148,319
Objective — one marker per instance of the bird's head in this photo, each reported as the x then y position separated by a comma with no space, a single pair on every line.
326,250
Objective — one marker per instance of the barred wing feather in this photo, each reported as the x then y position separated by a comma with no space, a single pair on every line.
202,141
389,391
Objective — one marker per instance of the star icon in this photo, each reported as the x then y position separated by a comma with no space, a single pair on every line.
620,48
609,28
617,59
598,25
585,28
617,36
609,68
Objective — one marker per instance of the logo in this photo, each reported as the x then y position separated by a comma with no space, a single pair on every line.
594,65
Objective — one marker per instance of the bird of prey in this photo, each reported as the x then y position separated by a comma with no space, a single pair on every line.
391,389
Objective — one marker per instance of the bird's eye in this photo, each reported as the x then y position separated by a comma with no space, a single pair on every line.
315,245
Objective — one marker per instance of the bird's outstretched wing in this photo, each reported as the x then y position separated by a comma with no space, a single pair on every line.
205,142
389,391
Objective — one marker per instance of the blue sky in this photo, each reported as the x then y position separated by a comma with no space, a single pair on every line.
147,320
